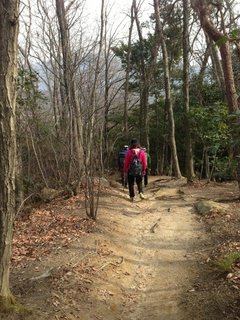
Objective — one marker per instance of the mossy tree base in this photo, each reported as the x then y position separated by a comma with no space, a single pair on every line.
8,304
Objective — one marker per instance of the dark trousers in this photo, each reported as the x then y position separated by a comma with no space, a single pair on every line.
131,180
123,180
146,178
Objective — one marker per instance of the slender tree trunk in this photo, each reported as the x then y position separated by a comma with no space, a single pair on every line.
19,176
217,67
207,165
161,162
204,64
69,96
126,93
106,88
65,77
8,74
56,104
168,100
91,158
186,49
144,86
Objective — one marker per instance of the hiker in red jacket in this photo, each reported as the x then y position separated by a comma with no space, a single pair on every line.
134,168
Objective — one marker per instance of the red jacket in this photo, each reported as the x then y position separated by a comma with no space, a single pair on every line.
129,158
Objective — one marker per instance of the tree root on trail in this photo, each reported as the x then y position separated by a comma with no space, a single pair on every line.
48,273
44,275
152,229
117,264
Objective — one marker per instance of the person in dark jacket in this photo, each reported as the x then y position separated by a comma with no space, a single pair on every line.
135,153
121,158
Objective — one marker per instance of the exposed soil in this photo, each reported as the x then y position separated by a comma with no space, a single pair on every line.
151,259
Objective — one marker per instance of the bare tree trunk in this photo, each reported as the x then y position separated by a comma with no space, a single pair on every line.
19,177
9,11
106,91
186,49
66,78
161,161
144,86
217,67
126,93
69,97
108,58
168,100
207,165
91,157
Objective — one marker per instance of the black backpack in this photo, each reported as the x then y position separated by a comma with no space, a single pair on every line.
136,165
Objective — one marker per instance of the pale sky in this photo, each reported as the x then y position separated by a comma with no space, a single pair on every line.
118,6
118,11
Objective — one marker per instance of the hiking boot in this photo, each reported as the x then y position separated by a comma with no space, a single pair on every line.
131,199
141,196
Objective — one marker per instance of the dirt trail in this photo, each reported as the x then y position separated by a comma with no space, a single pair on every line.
154,246
146,260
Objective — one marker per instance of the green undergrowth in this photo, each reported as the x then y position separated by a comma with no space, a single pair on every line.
226,263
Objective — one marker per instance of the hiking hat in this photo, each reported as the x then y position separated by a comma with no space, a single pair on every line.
134,142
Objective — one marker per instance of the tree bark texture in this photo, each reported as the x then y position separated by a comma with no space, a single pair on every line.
91,200
167,86
8,73
217,66
201,7
144,85
126,86
186,49
69,100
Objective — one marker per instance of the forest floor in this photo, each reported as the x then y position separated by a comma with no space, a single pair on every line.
152,259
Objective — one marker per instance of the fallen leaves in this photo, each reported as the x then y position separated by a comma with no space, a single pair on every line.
48,228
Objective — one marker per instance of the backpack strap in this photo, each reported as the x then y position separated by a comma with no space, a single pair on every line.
134,154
